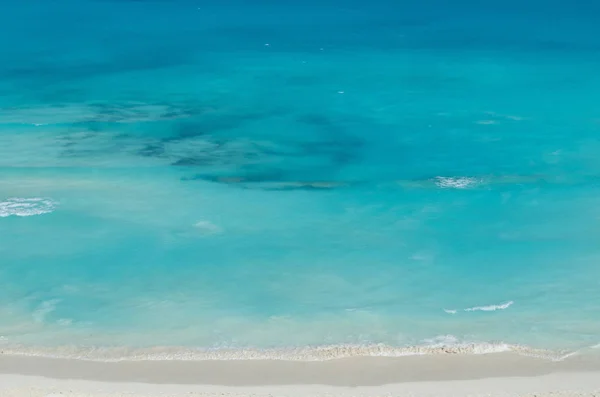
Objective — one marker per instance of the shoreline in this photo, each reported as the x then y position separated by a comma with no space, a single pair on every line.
305,353
501,374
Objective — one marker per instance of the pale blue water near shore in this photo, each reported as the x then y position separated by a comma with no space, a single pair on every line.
252,177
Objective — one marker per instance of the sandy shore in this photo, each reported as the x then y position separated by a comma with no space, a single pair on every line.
354,372
451,375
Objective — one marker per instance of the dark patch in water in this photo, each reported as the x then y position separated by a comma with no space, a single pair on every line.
338,145
257,165
244,175
186,130
193,162
152,150
306,186
255,161
77,153
89,126
121,135
271,181
340,152
213,125
173,114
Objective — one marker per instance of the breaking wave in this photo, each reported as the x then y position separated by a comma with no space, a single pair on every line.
26,207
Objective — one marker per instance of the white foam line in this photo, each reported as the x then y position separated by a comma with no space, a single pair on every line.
565,356
556,357
437,346
490,308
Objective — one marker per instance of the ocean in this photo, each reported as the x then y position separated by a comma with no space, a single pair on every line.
301,180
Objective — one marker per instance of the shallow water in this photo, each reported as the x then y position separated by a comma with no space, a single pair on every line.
266,176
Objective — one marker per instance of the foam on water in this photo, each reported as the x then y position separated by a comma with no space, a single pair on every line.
490,308
437,346
26,206
455,183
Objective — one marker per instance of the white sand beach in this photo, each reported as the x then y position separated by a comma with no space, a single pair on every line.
450,375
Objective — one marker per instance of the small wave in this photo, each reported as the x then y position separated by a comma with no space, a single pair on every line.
489,308
455,183
26,207
441,345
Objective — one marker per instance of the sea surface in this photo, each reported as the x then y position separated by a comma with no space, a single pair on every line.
299,179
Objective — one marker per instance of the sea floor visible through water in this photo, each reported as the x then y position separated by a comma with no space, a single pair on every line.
304,181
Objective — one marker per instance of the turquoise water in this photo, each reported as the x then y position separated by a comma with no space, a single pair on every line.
234,176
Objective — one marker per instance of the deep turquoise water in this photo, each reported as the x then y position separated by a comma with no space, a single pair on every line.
261,175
